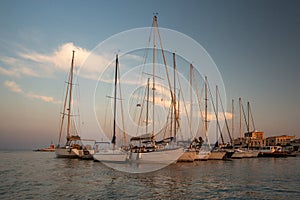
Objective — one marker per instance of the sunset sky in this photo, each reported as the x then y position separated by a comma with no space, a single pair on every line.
255,45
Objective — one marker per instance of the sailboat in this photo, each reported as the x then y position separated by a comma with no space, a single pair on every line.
104,152
218,152
194,151
73,147
240,151
145,149
148,150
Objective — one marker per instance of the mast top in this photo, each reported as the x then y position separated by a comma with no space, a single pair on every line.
155,16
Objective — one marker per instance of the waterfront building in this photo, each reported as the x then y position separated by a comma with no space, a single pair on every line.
255,139
281,140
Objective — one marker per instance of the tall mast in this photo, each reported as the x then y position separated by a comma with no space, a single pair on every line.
191,95
115,103
248,111
240,103
121,103
147,103
206,99
154,62
217,114
70,95
175,110
232,118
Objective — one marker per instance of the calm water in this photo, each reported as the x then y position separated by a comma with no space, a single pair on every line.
36,175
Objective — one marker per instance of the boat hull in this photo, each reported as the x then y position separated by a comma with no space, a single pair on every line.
163,156
65,153
202,155
187,156
245,154
217,155
109,156
84,154
272,154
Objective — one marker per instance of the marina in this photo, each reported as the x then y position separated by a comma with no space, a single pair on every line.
149,100
145,148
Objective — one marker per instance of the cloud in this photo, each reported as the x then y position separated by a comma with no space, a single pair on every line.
14,87
41,97
60,59
10,72
35,64
212,116
29,72
16,67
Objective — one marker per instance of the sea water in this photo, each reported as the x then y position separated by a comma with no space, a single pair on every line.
39,175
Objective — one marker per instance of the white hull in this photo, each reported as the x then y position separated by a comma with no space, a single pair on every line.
164,156
111,156
65,153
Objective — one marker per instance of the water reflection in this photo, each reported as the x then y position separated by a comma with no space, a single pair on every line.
37,175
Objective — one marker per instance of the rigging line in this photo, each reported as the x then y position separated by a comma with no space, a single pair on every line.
121,104
132,106
201,111
178,113
252,118
108,103
146,52
63,116
70,94
78,101
167,72
226,122
141,112
147,104
184,105
106,108
214,108
165,128
245,118
171,113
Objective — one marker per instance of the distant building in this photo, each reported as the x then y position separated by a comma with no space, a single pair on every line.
255,135
282,140
296,144
254,139
238,142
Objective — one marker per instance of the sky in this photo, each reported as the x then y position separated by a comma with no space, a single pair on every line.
255,45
